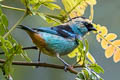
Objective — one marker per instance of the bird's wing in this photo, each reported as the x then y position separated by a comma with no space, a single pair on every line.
61,30
45,29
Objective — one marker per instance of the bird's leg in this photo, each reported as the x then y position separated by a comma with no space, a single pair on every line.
39,55
66,65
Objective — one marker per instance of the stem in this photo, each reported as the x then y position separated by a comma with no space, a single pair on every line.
92,13
72,70
13,8
17,23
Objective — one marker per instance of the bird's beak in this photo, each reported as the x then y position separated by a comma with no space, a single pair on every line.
92,29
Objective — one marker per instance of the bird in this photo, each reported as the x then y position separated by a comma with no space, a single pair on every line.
60,40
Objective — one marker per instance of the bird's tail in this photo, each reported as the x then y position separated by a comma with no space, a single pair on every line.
25,28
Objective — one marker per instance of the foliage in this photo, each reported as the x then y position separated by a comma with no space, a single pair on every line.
8,45
76,7
72,8
108,42
87,74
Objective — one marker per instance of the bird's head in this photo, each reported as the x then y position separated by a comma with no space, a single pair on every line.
83,25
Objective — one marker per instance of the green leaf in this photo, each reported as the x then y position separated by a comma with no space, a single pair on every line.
97,68
34,1
86,73
97,76
25,56
4,48
4,20
93,77
54,21
86,46
90,57
0,10
81,44
57,18
52,6
42,15
3,23
80,76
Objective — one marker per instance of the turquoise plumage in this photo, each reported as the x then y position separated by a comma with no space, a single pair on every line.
59,40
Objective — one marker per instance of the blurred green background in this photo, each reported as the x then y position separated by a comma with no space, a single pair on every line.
107,12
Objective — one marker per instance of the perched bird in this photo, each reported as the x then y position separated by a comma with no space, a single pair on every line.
59,40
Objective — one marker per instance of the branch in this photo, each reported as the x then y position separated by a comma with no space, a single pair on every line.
43,65
25,48
13,8
14,26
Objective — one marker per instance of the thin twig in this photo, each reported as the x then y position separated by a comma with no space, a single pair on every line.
43,65
13,8
2,53
14,26
25,48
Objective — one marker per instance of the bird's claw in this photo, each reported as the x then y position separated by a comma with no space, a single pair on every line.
37,66
67,66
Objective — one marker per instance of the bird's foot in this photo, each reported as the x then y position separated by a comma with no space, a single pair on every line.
67,66
38,63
